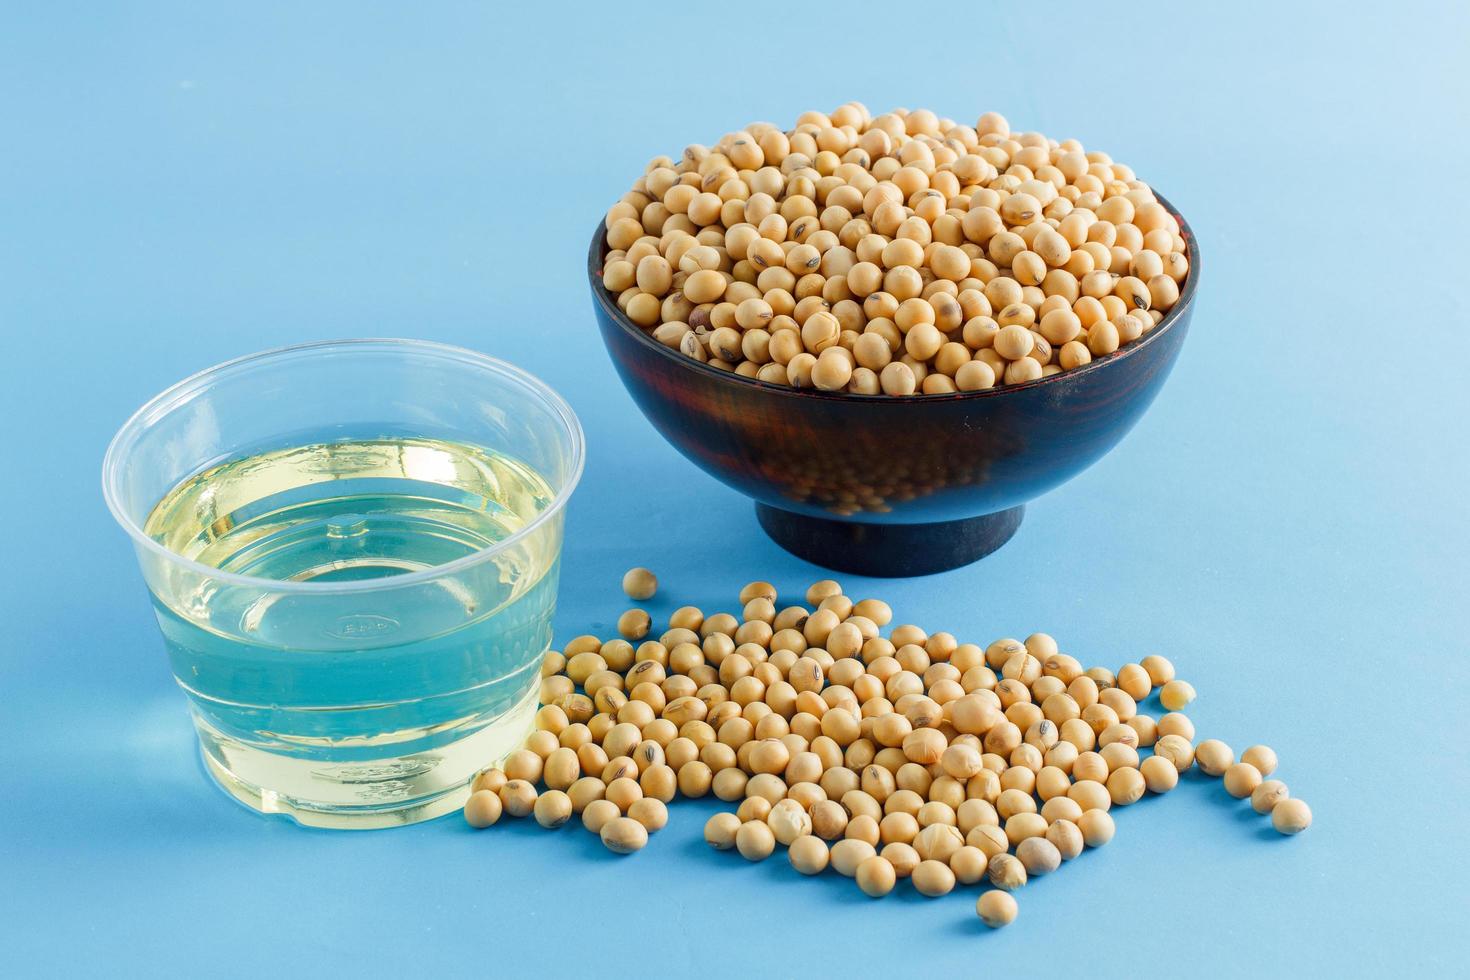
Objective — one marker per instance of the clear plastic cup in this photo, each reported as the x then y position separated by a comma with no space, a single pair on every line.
356,569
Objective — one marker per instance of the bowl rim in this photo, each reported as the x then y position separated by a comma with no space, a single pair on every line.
1177,312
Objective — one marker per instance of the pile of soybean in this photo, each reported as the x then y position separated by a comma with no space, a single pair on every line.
899,254
906,756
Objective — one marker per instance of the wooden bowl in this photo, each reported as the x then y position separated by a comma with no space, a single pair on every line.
887,486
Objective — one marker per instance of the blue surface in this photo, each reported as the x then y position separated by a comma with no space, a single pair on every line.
1288,523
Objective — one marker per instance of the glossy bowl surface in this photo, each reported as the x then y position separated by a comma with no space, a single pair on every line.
865,482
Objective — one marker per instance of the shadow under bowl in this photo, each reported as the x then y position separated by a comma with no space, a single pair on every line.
885,486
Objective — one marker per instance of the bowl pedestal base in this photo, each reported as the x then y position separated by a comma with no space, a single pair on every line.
888,550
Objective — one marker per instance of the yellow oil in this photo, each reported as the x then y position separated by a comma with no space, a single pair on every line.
376,704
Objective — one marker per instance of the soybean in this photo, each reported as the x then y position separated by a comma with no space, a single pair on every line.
1291,816
640,583
875,876
624,835
482,809
996,908
809,855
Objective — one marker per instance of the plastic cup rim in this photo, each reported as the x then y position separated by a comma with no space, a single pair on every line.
179,393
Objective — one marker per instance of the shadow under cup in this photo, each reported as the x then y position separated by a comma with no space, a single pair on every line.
416,492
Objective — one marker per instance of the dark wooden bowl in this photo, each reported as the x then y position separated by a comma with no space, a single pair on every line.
889,486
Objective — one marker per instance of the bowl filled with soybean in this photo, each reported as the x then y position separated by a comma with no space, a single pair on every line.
892,331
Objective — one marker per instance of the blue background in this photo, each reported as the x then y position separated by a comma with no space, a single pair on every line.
1288,523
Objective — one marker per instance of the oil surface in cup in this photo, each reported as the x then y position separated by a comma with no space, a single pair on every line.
323,699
